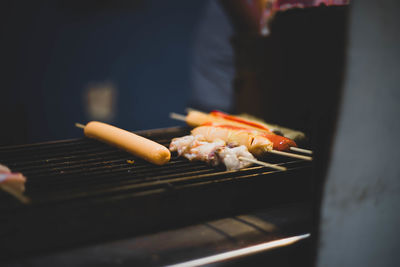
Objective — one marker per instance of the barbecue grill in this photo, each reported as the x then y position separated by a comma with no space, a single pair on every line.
83,191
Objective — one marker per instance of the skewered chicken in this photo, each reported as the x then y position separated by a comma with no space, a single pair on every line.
195,147
256,143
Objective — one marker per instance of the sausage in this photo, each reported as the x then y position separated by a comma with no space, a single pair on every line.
244,122
281,143
196,118
235,136
280,136
130,142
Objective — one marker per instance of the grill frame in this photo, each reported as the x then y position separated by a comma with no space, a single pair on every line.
65,214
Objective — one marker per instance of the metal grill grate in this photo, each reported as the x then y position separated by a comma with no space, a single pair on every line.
80,186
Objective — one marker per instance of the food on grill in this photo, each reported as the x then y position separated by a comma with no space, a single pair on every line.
279,142
235,136
130,142
13,183
257,142
196,147
256,123
184,144
241,121
236,157
196,118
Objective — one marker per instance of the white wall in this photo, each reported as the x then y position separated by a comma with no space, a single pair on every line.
360,224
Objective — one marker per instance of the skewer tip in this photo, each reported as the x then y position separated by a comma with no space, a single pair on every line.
291,155
265,164
301,150
79,125
177,116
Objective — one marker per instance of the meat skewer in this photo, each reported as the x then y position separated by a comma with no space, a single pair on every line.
235,136
244,121
197,118
196,147
257,143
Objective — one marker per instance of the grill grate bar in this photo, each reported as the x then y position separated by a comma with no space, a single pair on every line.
131,190
97,167
100,171
48,165
157,181
79,151
26,162
108,176
43,165
61,148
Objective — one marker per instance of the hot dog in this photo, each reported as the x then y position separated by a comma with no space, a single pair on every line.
130,142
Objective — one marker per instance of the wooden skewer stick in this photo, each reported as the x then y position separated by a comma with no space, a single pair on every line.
265,164
79,125
301,150
177,116
292,155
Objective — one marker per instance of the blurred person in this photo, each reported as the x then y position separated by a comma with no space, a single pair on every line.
213,69
213,64
267,58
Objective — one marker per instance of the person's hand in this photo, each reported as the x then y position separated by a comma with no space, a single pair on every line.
246,16
13,183
4,169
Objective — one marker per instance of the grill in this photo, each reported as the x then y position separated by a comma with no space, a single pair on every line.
83,191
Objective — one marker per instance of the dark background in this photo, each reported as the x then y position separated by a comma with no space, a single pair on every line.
52,50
